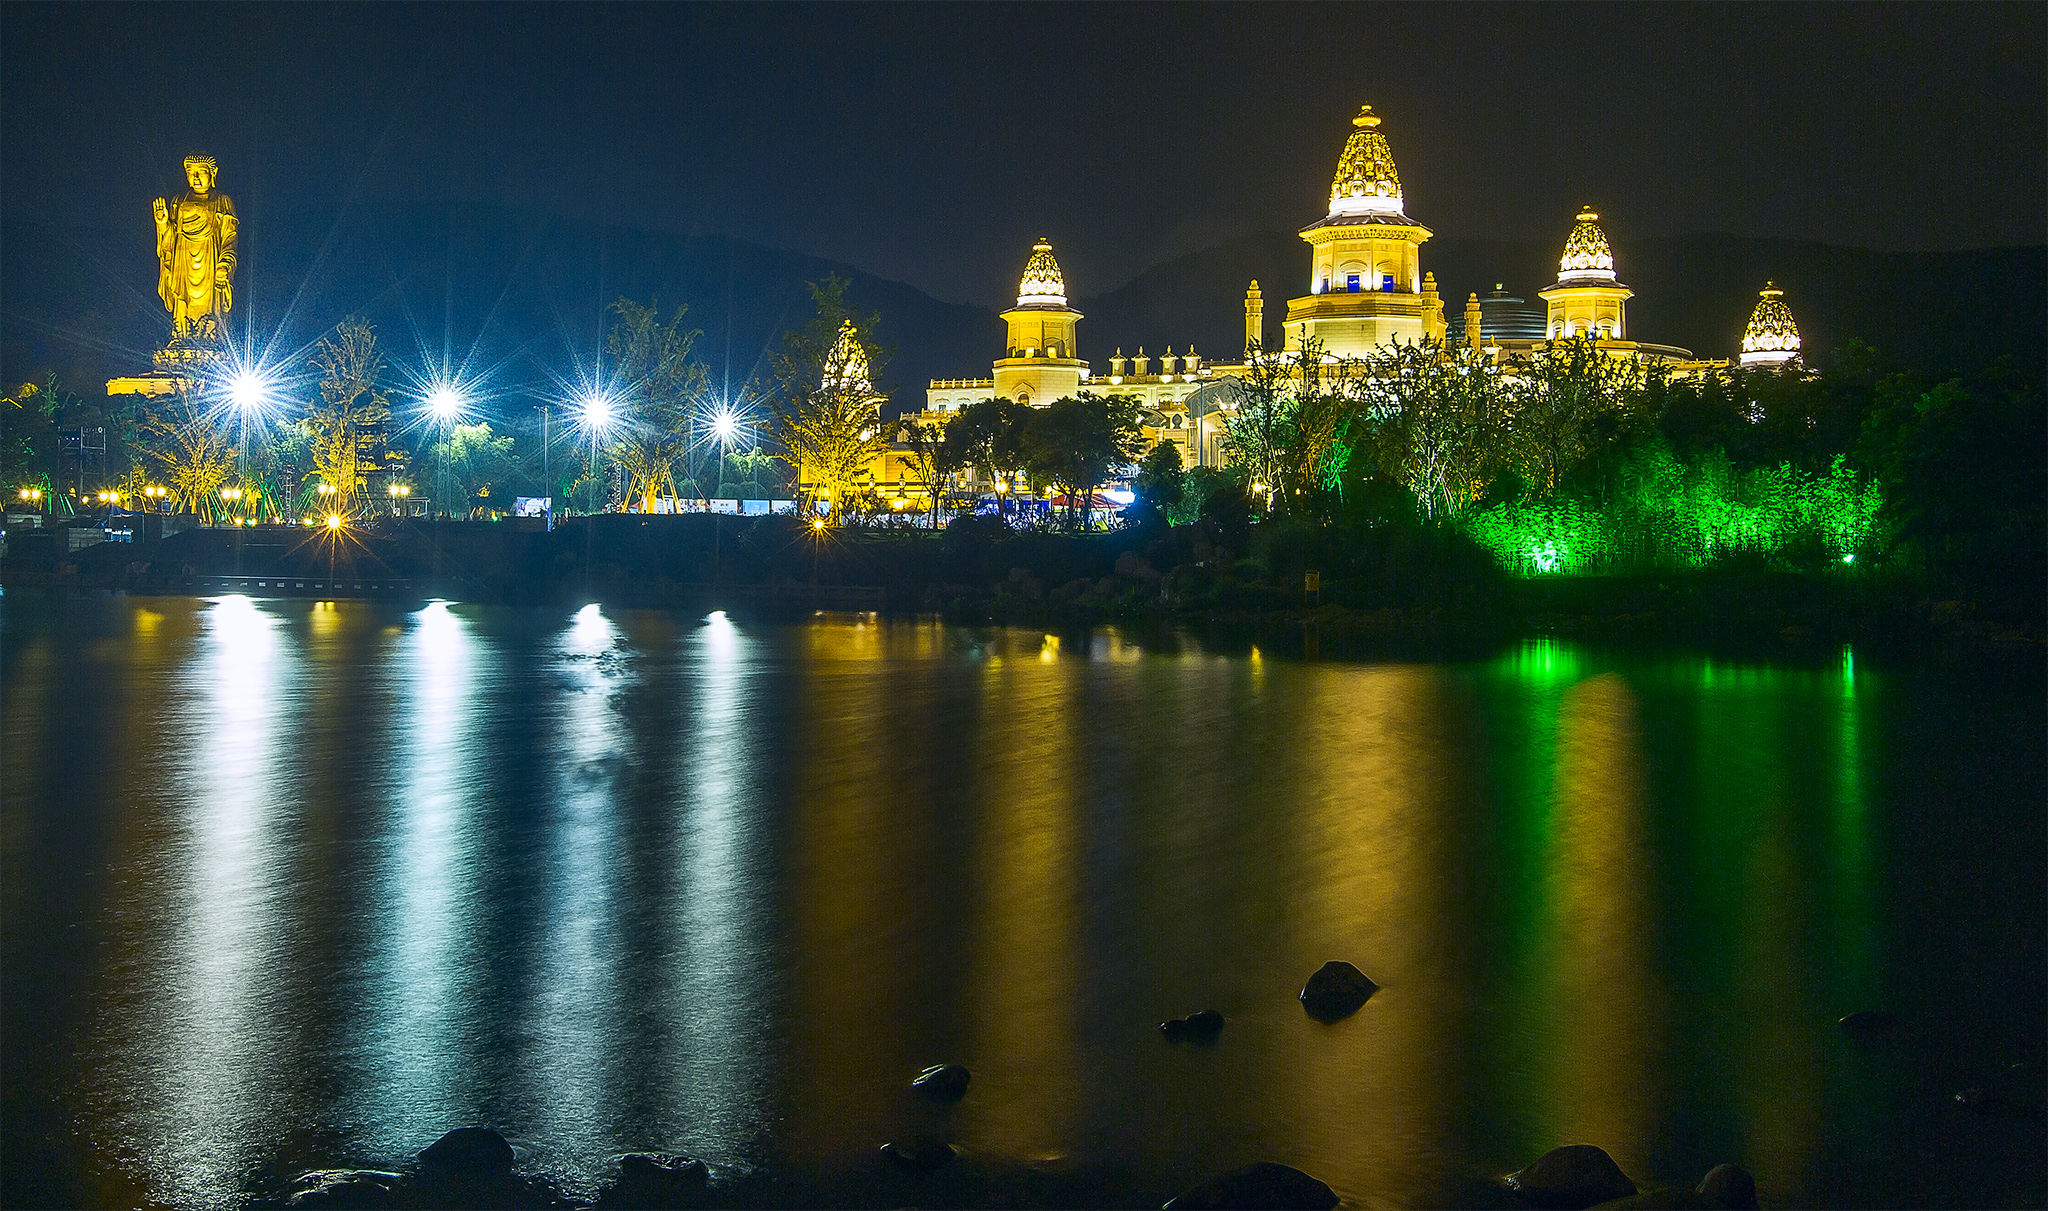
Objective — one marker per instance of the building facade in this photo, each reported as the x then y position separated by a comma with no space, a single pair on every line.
1366,288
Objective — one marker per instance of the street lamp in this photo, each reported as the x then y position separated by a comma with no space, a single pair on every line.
596,412
446,402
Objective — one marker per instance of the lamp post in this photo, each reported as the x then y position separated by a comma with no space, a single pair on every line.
547,479
446,403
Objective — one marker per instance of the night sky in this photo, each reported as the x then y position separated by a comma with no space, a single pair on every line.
932,144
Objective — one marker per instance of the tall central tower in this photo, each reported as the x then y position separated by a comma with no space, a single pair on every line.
1039,364
1366,286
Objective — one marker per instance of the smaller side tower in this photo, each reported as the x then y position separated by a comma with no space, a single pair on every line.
1771,342
1587,299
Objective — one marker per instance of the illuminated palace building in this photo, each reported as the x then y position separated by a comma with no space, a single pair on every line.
1366,288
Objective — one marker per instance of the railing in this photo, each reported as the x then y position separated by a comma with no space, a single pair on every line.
294,586
800,596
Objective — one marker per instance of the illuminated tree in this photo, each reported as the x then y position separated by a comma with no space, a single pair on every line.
1564,401
346,426
987,436
476,459
933,460
1160,481
662,387
1257,433
195,451
1078,443
828,414
1437,421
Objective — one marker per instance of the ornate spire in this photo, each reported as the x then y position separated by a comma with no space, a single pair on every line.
1587,256
1366,182
1042,285
846,366
1771,339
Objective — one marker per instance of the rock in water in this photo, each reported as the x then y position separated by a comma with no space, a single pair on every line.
1264,1185
943,1082
1571,1177
1206,1024
469,1153
1731,1186
651,1180
921,1153
663,1168
1868,1023
1336,991
1661,1198
348,1188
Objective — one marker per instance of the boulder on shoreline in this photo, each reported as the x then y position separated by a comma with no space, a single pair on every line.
467,1153
1571,1178
349,1189
1730,1186
1206,1024
943,1082
920,1153
656,1180
1336,991
1260,1186
1867,1023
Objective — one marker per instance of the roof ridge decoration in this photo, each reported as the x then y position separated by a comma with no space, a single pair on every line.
1587,255
1771,329
1042,285
1366,180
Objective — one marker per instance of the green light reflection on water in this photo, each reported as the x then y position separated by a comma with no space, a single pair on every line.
1698,831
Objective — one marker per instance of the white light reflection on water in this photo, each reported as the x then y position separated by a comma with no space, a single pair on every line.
572,1015
718,962
428,955
211,1041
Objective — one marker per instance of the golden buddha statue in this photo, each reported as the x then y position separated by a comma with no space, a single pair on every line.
195,252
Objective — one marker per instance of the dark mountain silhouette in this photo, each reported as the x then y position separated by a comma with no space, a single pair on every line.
522,296
1928,310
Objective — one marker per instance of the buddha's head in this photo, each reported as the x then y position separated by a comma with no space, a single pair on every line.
200,172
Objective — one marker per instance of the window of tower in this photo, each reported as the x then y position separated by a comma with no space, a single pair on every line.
1351,282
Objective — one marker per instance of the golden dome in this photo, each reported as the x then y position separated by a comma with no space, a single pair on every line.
1042,284
1586,251
846,366
1366,181
1771,335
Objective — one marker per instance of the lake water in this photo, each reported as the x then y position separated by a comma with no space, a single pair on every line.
292,884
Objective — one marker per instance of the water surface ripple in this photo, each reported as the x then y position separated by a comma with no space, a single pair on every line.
292,884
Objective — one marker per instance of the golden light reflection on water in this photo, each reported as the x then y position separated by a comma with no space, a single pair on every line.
854,885
1025,944
1605,1014
1376,786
